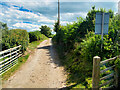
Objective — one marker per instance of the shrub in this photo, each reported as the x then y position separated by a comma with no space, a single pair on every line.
15,37
19,37
35,36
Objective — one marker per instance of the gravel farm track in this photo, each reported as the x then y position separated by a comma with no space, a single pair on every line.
41,70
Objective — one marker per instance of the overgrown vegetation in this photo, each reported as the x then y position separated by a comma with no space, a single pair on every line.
14,37
77,44
36,36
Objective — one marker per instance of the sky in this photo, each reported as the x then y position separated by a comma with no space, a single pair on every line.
32,14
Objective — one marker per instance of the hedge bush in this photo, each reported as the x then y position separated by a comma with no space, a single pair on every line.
36,35
15,37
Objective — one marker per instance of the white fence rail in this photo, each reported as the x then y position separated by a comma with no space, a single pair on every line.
8,58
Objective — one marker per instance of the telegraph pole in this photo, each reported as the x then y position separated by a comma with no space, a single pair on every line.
119,8
58,13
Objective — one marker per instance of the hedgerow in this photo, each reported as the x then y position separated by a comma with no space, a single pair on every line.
36,35
77,44
15,37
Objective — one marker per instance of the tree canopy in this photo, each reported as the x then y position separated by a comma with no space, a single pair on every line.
46,31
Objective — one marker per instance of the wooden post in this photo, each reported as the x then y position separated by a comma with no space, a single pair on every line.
116,77
96,73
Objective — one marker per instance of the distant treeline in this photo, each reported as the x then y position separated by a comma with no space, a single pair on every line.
15,37
36,35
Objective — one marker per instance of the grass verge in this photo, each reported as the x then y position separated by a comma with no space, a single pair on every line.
21,60
64,61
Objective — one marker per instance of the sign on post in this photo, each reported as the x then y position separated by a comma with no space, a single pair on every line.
102,23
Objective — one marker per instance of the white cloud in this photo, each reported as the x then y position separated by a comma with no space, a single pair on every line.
67,17
1,14
65,22
45,19
29,27
16,18
28,16
49,25
83,14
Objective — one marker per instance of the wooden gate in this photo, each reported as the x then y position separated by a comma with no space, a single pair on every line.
112,78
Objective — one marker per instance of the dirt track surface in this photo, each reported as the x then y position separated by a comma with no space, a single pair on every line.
42,70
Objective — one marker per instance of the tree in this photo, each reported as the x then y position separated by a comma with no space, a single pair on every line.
3,26
4,36
46,31
56,26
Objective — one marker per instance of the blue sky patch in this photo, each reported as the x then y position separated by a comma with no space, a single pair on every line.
23,9
4,4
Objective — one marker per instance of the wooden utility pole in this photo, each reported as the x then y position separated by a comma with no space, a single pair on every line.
58,12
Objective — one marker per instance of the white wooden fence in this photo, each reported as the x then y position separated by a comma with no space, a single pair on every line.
8,58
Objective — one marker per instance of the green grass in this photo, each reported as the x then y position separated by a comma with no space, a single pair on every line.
34,44
21,60
64,62
1,59
79,86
